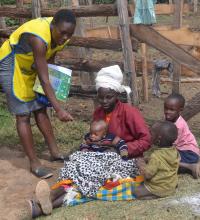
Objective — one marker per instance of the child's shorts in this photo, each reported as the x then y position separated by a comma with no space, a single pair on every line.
188,156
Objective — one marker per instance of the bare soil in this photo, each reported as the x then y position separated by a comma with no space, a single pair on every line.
17,184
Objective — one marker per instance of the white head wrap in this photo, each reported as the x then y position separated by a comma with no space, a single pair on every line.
111,77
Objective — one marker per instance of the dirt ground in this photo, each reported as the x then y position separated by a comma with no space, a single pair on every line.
17,184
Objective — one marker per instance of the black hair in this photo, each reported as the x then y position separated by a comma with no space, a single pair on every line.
178,97
168,133
64,15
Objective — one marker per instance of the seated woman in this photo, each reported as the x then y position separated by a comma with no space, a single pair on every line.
124,121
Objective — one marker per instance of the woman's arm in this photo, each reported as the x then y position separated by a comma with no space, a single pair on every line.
39,53
140,132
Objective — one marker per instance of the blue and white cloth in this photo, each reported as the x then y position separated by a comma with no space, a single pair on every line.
144,12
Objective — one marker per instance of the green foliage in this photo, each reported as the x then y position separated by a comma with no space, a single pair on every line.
12,21
104,1
7,2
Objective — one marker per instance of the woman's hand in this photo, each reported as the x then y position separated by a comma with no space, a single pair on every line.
64,116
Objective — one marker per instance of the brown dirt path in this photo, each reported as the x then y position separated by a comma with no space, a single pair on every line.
17,184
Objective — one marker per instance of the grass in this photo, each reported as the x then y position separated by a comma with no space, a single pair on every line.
69,136
8,135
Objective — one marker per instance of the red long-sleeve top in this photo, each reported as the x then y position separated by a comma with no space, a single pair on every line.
127,123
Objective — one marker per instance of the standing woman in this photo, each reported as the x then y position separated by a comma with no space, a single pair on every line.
123,120
23,56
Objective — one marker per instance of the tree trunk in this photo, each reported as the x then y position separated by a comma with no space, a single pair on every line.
92,65
81,11
89,42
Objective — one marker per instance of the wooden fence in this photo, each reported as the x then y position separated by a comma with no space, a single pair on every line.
123,41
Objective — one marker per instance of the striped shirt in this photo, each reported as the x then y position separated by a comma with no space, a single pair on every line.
107,141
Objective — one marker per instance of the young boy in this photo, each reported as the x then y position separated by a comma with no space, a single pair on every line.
99,140
186,143
160,170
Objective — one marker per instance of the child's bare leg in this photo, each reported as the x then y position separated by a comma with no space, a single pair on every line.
58,202
56,193
194,169
44,124
26,137
142,193
36,209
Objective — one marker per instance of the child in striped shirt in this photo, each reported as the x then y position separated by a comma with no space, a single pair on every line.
99,140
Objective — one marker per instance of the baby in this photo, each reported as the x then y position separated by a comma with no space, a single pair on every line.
160,169
99,140
185,143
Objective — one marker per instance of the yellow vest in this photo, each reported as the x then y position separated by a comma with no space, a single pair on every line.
23,73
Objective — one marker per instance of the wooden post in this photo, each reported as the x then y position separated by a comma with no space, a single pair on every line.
2,25
195,6
19,4
44,4
144,72
86,79
129,62
178,10
36,9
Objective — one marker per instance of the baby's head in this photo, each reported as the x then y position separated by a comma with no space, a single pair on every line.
173,106
164,133
98,129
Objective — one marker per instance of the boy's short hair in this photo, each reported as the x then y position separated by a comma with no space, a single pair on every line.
64,15
168,132
178,97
